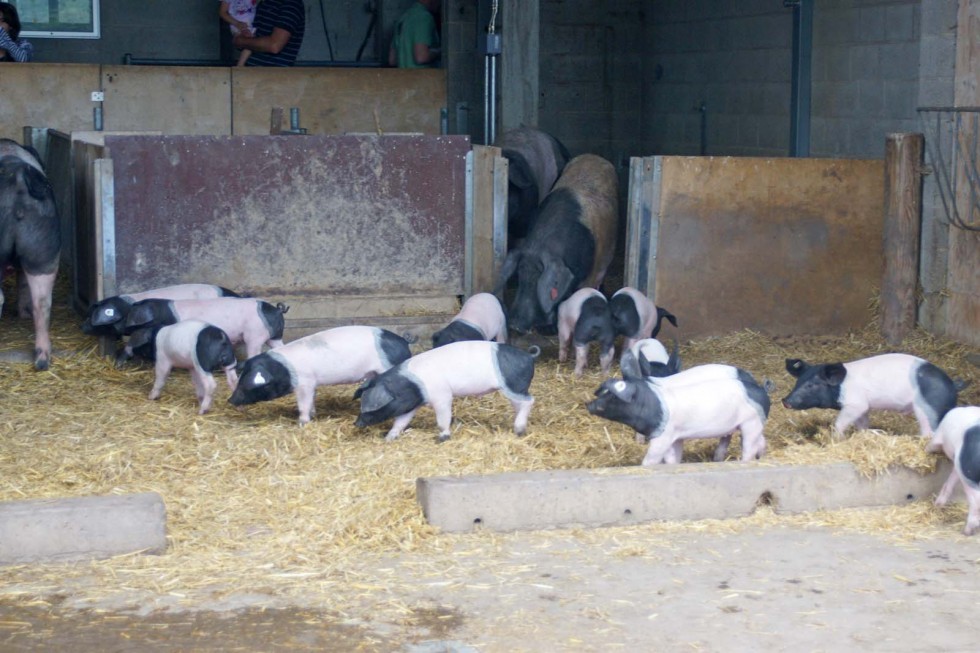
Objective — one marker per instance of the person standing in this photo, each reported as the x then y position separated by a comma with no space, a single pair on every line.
239,15
12,47
277,33
415,43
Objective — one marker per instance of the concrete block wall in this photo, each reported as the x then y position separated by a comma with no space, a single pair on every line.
732,58
591,55
873,64
865,74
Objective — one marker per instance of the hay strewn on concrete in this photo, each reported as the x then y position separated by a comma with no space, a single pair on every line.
256,503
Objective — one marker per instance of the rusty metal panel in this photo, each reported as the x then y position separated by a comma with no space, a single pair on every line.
781,246
291,215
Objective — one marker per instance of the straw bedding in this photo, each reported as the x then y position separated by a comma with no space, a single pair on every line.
254,501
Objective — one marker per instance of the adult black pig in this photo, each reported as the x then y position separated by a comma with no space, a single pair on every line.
570,245
535,161
30,240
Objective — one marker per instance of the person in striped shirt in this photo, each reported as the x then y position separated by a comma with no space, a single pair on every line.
12,47
277,33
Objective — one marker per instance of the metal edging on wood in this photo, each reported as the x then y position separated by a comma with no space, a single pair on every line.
500,172
653,177
106,203
643,223
468,233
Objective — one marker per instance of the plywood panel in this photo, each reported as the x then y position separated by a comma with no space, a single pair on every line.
168,99
58,96
782,246
340,100
291,216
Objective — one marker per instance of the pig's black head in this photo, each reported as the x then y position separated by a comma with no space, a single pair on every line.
107,318
159,312
214,349
455,331
594,323
262,378
543,282
625,317
628,402
387,396
817,386
143,342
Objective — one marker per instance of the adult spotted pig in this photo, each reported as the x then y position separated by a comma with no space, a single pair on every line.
535,161
30,241
347,354
896,382
570,245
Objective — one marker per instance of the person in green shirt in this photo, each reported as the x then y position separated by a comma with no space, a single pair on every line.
415,43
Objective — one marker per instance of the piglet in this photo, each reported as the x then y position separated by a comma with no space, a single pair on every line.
108,317
191,345
247,320
347,354
436,376
480,318
649,358
583,318
667,412
958,436
897,382
635,316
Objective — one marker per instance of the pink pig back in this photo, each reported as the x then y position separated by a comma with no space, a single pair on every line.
339,355
460,368
484,311
884,382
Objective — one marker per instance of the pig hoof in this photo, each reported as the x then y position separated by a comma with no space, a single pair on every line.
442,438
969,530
42,363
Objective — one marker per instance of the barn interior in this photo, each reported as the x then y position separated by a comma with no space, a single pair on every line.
797,179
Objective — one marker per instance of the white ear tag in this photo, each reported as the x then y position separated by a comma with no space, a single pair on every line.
620,386
259,379
110,312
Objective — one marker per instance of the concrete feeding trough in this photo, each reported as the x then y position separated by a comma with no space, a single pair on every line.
47,530
692,491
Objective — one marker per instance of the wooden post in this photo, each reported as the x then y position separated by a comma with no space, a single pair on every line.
903,215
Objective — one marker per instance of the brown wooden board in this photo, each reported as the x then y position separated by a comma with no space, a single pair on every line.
46,95
340,100
315,216
169,99
781,246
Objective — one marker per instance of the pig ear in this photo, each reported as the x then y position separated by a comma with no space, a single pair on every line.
623,389
834,373
364,386
795,366
554,284
141,337
377,398
674,361
630,366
